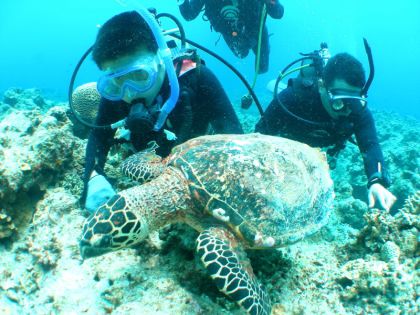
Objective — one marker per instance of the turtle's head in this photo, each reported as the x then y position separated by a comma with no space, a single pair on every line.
111,228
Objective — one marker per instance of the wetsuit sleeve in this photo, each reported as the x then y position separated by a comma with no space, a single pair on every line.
275,9
191,8
368,143
99,143
274,117
100,140
222,115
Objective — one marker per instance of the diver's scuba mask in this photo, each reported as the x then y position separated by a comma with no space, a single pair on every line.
133,81
343,100
136,79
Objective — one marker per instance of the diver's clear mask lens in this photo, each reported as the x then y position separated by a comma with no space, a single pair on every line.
343,100
134,80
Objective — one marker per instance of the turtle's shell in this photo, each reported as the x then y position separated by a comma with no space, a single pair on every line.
282,188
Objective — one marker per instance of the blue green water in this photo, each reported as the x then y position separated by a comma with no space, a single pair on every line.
41,42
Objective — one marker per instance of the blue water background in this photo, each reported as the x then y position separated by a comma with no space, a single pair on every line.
41,42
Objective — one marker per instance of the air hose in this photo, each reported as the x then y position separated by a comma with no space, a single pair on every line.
246,100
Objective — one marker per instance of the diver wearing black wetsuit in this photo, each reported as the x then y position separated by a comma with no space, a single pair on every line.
203,103
238,21
304,101
153,96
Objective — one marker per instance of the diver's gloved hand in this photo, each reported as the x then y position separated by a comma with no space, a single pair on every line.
99,191
379,193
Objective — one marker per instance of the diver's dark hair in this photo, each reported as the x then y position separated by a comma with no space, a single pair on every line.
122,35
344,66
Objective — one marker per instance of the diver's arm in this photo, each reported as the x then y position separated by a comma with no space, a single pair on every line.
378,179
274,117
274,9
100,140
96,152
222,115
99,143
191,8
368,142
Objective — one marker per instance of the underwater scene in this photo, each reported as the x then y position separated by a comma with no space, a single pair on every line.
209,157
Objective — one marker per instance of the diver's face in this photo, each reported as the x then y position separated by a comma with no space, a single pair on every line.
146,67
337,108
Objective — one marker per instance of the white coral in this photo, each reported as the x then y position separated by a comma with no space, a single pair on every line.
412,204
7,228
86,100
390,253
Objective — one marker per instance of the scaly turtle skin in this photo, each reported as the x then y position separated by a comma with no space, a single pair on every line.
238,191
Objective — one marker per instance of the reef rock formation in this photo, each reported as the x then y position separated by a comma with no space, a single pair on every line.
385,277
23,99
36,151
365,261
85,100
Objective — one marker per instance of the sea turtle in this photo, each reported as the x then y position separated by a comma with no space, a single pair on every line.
238,191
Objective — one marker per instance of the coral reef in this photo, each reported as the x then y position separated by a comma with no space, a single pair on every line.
35,151
23,99
85,100
7,227
382,278
376,287
351,211
365,261
33,148
402,229
398,137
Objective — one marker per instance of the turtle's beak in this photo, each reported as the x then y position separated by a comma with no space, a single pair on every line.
89,250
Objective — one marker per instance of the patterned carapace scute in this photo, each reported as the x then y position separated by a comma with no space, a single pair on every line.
280,188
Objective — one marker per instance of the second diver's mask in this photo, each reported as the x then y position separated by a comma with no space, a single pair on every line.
134,80
343,100
340,100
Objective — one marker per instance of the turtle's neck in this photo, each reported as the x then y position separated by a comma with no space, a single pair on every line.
163,200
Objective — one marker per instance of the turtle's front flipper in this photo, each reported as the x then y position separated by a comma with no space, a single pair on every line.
144,165
228,266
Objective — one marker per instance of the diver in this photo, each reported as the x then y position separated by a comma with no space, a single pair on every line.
160,100
324,106
240,22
